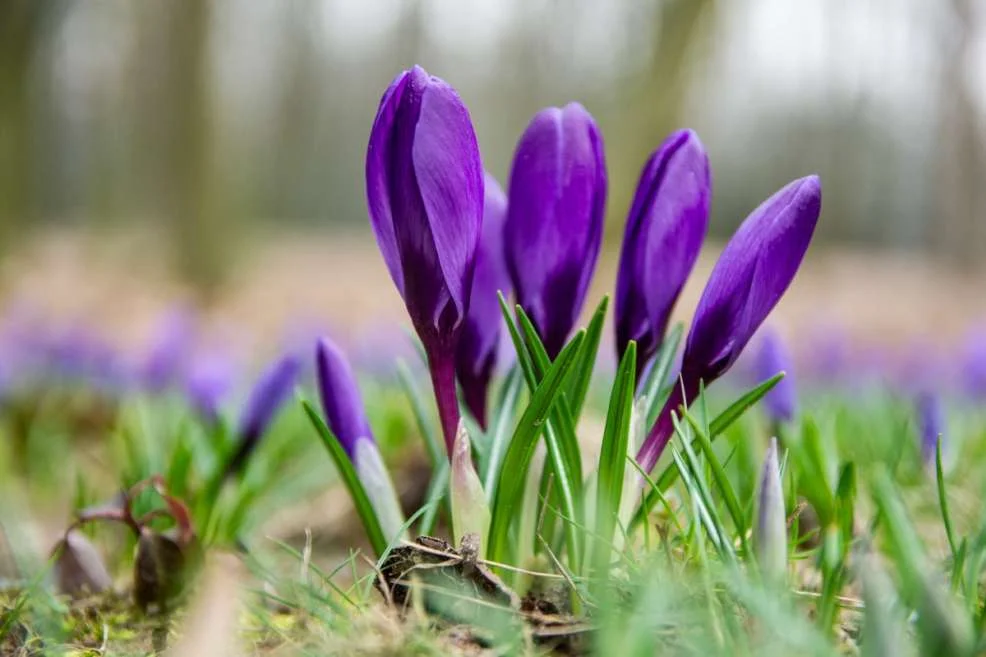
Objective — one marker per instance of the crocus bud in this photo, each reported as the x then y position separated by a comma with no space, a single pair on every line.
424,189
557,200
476,356
931,423
664,232
346,417
773,358
267,397
470,510
770,534
753,272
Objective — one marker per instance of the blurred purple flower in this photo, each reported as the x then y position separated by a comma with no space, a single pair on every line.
269,394
477,353
664,233
753,272
555,211
208,381
424,188
772,358
973,364
931,422
78,355
169,351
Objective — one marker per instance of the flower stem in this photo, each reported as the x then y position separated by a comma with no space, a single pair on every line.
474,395
442,368
660,434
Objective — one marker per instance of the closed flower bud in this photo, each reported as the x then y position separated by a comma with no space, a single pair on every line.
267,397
346,417
555,211
424,188
664,233
753,272
770,533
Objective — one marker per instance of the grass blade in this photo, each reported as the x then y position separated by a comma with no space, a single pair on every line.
498,430
419,408
563,446
513,473
437,488
722,422
653,385
943,628
698,489
943,499
587,360
613,454
735,410
722,480
564,454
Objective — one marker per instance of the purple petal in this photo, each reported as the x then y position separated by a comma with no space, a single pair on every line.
450,178
668,221
476,354
554,218
425,193
378,158
340,396
756,267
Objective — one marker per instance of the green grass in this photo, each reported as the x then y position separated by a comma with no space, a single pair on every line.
885,552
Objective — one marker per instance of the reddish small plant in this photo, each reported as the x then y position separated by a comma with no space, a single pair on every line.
163,560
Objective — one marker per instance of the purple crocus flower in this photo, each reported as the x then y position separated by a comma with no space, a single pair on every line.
753,272
424,188
209,380
269,394
476,356
341,400
664,233
347,419
772,358
931,422
557,199
973,366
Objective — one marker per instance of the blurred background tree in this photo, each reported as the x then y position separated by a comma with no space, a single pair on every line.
208,121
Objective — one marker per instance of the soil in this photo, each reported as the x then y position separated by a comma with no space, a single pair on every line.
286,286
